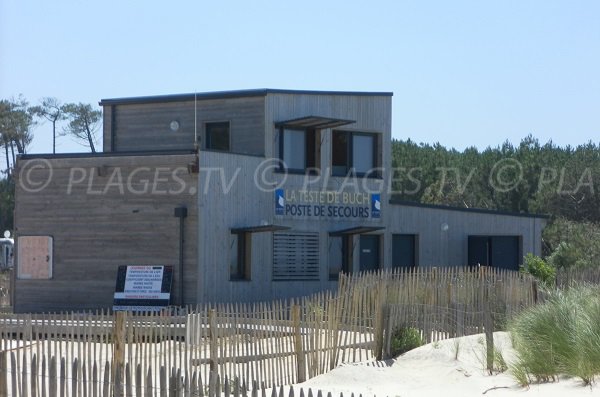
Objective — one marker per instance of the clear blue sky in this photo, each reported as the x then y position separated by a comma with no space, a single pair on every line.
463,73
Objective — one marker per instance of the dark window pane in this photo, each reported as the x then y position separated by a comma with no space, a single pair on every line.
311,149
478,251
217,136
505,252
403,250
340,161
240,268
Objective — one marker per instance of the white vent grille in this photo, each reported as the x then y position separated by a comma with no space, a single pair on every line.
295,256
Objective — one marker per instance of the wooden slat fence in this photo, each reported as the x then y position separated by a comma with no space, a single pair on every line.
134,382
568,277
270,343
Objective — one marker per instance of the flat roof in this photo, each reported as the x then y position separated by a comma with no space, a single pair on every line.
230,94
50,156
394,201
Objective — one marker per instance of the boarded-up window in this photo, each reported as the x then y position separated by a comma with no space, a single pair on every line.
295,256
34,257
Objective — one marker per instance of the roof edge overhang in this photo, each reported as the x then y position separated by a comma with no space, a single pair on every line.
230,94
356,230
51,156
259,229
316,122
466,209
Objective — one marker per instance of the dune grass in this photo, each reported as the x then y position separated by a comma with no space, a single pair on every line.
559,337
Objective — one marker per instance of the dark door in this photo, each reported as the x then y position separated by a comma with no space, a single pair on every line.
403,250
479,251
369,252
505,252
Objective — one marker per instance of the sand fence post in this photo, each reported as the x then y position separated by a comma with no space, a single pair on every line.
300,359
120,345
214,346
489,328
3,374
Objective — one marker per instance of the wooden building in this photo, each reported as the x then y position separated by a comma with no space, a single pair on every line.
286,190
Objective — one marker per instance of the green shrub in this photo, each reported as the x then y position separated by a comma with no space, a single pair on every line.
405,339
561,336
540,269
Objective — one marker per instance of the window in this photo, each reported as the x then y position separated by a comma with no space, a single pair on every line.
354,152
404,250
295,256
217,136
340,255
299,150
34,257
240,267
497,251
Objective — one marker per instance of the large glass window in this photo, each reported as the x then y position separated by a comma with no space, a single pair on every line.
353,152
299,150
217,136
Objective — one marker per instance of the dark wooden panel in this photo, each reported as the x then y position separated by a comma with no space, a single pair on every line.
147,126
95,233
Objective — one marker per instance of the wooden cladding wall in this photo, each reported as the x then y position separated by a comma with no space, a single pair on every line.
147,126
102,213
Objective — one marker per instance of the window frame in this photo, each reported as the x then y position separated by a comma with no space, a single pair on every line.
311,169
350,170
207,140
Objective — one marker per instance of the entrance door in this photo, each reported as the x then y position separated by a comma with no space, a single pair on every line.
369,252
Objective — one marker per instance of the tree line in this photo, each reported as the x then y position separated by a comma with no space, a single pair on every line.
531,177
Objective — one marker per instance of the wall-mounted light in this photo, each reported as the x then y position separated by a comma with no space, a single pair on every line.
444,227
174,125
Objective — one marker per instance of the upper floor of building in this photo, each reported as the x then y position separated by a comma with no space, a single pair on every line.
325,132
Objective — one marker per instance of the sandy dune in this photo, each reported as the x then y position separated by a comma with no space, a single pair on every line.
432,370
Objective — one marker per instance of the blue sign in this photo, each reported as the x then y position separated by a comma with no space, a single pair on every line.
327,204
279,202
375,205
